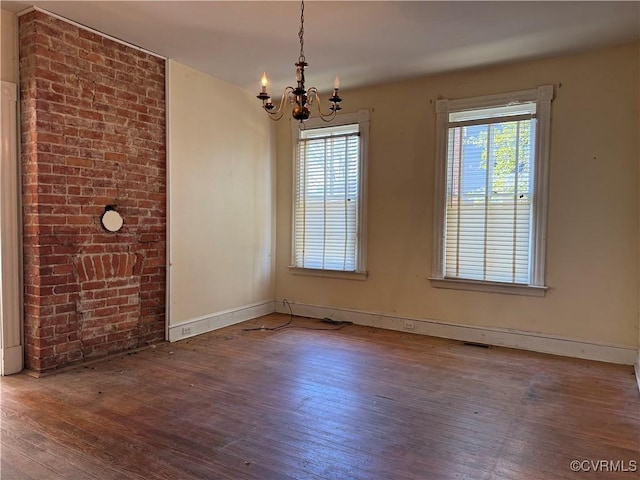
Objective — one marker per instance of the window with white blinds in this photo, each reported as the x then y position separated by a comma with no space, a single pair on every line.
491,223
327,199
490,155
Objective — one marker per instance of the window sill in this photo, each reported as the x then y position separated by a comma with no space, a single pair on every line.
316,272
493,287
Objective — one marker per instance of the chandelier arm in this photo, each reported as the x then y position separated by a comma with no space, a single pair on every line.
279,112
327,117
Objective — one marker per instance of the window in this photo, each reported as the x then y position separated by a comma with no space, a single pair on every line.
491,190
328,203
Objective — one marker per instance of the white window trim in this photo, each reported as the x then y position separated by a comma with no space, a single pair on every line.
317,272
362,118
11,292
542,96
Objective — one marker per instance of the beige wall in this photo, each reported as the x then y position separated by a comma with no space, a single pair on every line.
592,247
9,47
221,196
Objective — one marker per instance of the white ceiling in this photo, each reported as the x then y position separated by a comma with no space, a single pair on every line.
364,42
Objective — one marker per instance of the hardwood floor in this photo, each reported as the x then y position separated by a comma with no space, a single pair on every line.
358,403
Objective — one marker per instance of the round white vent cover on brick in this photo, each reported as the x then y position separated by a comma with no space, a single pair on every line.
111,220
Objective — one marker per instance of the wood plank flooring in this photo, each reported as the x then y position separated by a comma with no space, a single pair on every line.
297,403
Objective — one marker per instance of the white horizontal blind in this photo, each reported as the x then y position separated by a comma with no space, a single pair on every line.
489,194
326,198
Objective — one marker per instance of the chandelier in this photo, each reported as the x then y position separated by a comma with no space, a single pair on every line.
301,98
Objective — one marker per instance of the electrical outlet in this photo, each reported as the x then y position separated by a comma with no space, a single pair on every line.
186,330
409,325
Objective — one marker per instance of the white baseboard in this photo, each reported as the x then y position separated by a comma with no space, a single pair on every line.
537,342
13,359
217,320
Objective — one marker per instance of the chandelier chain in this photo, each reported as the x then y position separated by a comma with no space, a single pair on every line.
301,59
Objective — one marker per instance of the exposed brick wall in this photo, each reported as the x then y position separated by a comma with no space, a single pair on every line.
93,134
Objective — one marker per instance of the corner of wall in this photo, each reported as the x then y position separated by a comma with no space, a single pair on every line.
221,190
637,368
9,46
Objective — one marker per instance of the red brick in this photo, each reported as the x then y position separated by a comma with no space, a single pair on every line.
93,37
118,282
79,162
70,111
44,73
114,337
64,48
61,67
97,264
88,305
120,266
51,299
79,220
91,57
66,347
106,311
95,339
75,40
90,114
128,308
83,99
55,280
117,301
76,126
65,308
127,291
68,288
115,157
